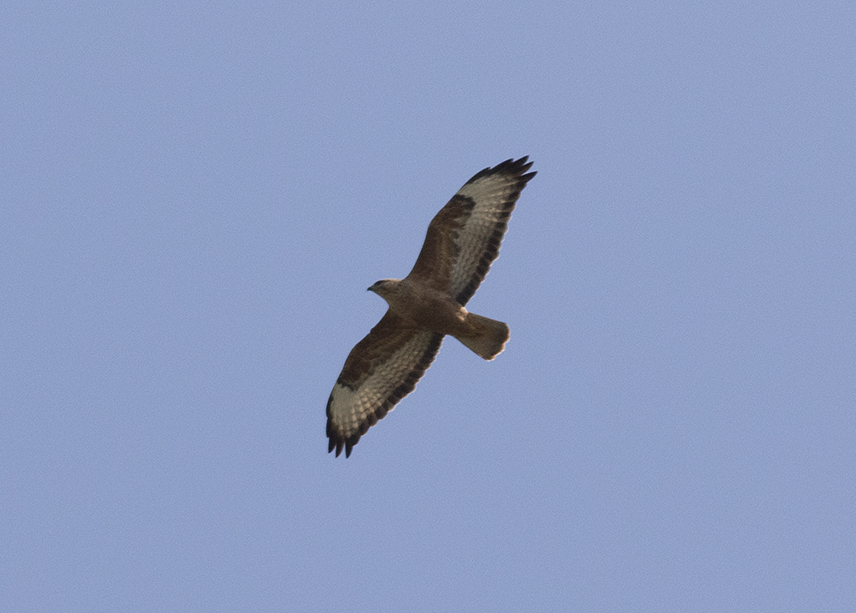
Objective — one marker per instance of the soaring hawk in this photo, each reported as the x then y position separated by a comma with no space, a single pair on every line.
462,241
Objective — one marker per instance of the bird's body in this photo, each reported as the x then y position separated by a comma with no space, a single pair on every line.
421,306
462,241
432,310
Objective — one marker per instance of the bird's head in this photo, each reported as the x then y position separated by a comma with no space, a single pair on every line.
384,287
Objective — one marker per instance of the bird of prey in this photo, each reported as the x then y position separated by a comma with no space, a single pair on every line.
462,241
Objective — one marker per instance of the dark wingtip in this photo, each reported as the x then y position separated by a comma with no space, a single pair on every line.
338,442
509,167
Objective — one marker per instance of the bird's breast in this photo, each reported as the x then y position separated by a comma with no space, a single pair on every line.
431,310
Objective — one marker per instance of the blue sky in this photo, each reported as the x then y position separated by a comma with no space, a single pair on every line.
195,197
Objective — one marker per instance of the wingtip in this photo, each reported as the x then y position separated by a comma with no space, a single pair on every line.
338,443
508,167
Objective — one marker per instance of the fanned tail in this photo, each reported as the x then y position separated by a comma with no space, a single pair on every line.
489,338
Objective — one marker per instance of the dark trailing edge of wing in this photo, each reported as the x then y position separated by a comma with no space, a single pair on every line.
338,441
511,168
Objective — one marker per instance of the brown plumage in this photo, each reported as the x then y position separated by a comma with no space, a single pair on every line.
462,241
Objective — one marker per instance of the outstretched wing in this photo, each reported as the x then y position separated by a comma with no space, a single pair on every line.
380,370
463,238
